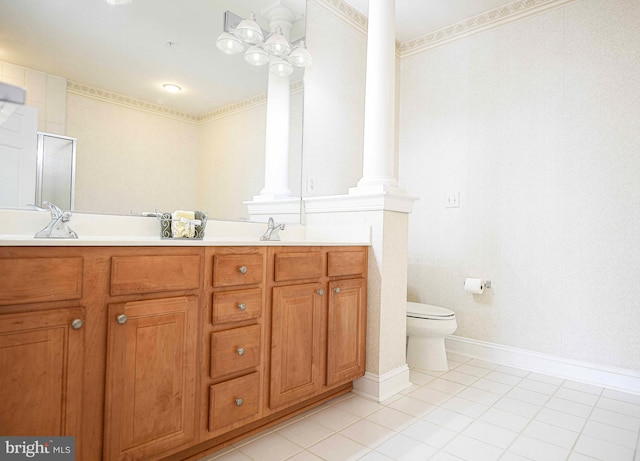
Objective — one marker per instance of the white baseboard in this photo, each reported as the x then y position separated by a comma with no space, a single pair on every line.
381,387
590,373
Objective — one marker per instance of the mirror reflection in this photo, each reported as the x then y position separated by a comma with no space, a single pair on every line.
95,72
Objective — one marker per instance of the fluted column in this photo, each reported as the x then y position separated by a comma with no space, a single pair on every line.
379,117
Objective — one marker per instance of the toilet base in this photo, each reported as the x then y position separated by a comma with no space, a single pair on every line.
427,353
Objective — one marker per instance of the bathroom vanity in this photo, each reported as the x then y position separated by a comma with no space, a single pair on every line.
166,352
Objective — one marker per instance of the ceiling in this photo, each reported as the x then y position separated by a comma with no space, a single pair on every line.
126,50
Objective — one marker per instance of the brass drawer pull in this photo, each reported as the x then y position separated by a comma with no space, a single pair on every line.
243,269
242,306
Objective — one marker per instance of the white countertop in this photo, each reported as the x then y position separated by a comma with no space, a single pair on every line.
18,227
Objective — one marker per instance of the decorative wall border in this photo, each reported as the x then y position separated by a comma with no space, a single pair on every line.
138,104
509,13
346,13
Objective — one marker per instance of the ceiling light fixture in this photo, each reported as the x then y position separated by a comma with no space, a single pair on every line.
171,88
262,47
118,2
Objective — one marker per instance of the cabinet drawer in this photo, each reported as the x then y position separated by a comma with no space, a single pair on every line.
151,274
235,402
31,280
346,263
235,350
236,306
298,266
232,270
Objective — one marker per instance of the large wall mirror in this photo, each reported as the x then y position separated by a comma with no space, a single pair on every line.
95,72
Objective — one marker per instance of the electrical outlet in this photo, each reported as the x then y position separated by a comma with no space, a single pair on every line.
311,183
453,200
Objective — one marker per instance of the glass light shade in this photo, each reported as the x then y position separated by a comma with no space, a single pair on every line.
172,88
300,56
229,44
280,67
256,56
277,44
248,30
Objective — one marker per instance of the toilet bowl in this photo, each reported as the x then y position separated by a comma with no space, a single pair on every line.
427,326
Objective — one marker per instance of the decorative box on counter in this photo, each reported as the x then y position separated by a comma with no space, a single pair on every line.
182,224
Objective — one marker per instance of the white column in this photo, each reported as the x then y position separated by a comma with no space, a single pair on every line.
276,156
379,118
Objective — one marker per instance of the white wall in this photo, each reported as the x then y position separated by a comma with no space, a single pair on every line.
536,124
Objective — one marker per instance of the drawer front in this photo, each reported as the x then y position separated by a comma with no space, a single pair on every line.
151,274
234,403
236,306
32,280
236,270
298,266
235,350
346,263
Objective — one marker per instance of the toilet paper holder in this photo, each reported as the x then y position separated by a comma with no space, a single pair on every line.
476,286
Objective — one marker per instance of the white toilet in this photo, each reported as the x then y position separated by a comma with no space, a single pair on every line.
427,326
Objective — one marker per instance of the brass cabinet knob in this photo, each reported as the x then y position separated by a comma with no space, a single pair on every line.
122,319
242,269
77,324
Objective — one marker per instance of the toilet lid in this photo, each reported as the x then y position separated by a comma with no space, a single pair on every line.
427,311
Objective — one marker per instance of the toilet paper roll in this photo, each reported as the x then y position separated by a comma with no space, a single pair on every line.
475,286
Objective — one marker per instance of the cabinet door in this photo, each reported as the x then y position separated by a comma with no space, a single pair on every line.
150,394
296,343
41,358
346,329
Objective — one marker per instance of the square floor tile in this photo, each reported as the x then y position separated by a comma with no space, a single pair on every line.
304,456
419,378
569,406
429,433
333,418
492,386
480,396
583,387
471,449
576,396
359,406
446,386
392,419
367,433
449,419
232,455
613,418
537,386
517,407
564,420
411,406
504,378
554,435
490,433
472,370
611,434
432,396
625,408
603,450
272,447
338,448
538,450
460,378
505,419
524,395
465,407
404,448
305,432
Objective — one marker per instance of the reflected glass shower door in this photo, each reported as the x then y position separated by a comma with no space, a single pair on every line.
56,170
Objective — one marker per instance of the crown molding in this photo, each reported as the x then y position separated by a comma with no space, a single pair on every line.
138,104
494,18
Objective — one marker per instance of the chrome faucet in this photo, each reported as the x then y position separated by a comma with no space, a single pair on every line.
271,234
58,227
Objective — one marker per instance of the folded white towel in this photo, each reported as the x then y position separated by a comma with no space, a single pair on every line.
183,224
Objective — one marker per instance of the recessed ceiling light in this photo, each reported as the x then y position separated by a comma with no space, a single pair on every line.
118,2
171,88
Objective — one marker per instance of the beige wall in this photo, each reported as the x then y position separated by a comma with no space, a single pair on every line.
536,124
131,160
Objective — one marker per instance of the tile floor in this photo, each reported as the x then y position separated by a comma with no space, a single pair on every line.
477,411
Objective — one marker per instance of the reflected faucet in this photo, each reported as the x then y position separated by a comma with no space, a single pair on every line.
271,233
58,227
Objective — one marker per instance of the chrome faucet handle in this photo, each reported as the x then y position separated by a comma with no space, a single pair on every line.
271,234
55,210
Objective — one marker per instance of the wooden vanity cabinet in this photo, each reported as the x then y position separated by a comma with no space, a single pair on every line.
318,321
151,361
163,353
233,339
